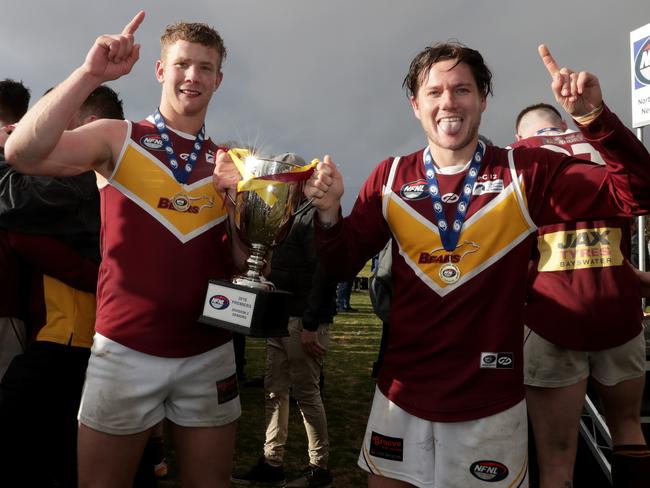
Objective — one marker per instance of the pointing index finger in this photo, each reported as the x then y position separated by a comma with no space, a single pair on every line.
132,26
548,60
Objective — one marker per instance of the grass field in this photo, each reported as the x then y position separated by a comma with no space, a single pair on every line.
354,342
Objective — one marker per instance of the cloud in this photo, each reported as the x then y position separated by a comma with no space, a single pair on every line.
317,77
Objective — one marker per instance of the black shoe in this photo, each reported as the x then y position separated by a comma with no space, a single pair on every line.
314,477
262,473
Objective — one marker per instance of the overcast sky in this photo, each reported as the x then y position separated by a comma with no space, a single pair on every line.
319,77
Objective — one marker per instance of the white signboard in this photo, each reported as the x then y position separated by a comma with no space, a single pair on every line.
640,48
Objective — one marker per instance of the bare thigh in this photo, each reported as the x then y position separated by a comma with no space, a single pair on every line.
108,460
205,454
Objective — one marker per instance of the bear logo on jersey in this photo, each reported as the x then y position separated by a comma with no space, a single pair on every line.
440,255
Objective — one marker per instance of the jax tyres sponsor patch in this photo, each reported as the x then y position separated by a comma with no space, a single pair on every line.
497,360
385,447
227,389
490,471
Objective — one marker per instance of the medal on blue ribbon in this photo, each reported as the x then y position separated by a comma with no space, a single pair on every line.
450,273
180,169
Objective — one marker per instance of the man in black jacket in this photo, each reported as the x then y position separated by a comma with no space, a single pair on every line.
14,100
53,224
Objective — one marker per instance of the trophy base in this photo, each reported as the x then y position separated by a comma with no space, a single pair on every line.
246,282
250,311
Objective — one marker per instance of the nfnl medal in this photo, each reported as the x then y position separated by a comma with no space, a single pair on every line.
449,273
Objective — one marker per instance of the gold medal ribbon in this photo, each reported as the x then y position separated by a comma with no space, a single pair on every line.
260,184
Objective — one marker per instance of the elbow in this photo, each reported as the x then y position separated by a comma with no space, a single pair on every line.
16,157
12,153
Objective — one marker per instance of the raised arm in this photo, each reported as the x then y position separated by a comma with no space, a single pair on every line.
579,93
41,145
573,189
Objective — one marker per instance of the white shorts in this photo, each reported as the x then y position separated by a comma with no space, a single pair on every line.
429,454
549,366
127,391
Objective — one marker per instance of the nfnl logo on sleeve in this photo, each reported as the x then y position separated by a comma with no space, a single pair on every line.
152,141
497,360
415,190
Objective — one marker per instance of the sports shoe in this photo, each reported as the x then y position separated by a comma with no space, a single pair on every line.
262,473
313,477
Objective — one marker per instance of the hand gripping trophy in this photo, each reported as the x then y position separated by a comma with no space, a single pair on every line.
268,197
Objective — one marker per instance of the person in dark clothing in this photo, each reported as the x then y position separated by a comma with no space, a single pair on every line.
52,224
380,288
295,362
14,100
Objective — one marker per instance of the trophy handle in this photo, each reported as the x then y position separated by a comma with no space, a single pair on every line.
303,207
232,200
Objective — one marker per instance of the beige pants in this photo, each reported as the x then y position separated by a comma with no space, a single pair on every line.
287,365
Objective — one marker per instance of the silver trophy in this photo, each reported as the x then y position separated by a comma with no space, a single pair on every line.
262,217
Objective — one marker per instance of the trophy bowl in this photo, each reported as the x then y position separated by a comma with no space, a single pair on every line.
263,216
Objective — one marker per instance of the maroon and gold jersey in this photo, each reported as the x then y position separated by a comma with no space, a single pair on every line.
583,295
456,323
161,243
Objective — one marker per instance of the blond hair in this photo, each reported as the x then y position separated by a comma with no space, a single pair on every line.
197,32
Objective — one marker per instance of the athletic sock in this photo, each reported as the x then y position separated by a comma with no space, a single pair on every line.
631,466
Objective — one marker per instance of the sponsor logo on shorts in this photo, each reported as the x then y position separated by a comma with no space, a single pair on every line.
152,141
497,360
219,302
385,447
227,389
415,190
490,471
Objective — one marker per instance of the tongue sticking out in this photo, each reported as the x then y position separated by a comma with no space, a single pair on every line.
450,126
